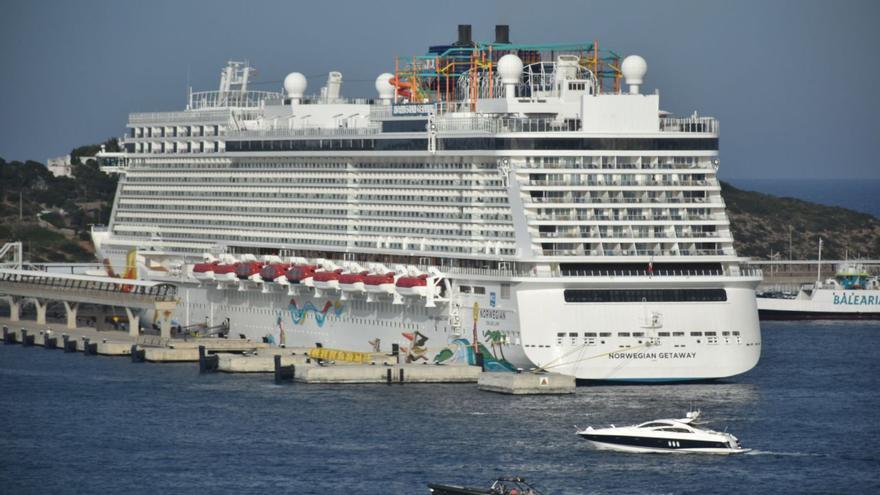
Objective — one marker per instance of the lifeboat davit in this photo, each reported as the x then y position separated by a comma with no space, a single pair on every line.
273,271
412,286
352,282
248,269
205,271
379,283
327,279
298,274
226,271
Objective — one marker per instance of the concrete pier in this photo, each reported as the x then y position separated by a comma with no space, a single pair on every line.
244,356
527,383
409,373
91,341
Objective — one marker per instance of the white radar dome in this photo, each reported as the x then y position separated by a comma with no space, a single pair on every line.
295,85
634,69
510,69
384,87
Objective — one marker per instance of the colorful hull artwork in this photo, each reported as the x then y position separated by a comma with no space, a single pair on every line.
460,351
298,315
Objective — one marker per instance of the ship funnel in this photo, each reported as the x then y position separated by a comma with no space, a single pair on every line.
334,86
464,35
502,33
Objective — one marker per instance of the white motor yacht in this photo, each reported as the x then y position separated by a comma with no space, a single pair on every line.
663,436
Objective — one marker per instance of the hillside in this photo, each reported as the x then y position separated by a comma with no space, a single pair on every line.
52,215
760,223
56,214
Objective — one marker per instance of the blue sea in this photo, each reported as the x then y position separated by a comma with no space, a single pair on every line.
855,194
77,424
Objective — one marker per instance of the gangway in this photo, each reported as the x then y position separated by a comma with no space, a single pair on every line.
134,296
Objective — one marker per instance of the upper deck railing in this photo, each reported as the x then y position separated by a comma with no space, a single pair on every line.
234,99
283,132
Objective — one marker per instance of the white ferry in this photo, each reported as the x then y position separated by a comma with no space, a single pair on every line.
852,294
505,200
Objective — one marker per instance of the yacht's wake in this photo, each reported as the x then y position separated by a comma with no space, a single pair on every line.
785,454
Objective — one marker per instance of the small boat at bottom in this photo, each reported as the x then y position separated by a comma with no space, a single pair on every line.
501,486
664,436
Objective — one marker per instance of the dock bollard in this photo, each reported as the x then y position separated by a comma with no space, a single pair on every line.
8,337
283,373
69,345
26,340
89,349
49,342
207,362
137,355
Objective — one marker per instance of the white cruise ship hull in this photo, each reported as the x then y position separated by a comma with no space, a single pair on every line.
526,326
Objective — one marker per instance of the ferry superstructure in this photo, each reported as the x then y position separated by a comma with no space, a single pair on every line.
498,199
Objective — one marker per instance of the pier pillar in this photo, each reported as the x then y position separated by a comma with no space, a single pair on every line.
14,307
40,305
101,318
165,327
70,309
134,322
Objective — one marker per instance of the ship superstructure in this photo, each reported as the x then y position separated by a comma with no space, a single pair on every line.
498,199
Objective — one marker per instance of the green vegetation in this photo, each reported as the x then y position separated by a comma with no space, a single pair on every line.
52,215
761,222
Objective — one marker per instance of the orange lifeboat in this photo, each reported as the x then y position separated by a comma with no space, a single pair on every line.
352,282
205,271
327,279
379,283
300,273
226,271
273,271
412,286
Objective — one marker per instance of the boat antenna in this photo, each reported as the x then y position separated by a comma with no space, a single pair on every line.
819,264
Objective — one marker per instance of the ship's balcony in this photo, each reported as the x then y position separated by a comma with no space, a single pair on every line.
633,252
497,125
632,202
622,183
592,218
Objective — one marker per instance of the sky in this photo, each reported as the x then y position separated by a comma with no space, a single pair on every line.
793,83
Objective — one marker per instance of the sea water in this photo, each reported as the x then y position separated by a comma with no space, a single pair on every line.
75,424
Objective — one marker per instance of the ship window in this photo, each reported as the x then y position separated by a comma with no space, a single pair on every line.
505,291
590,334
638,334
736,332
725,334
675,430
605,334
644,295
464,289
696,334
623,334
663,334
479,290
678,334
710,334
652,425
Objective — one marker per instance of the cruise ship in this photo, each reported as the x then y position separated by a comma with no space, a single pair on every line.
515,205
